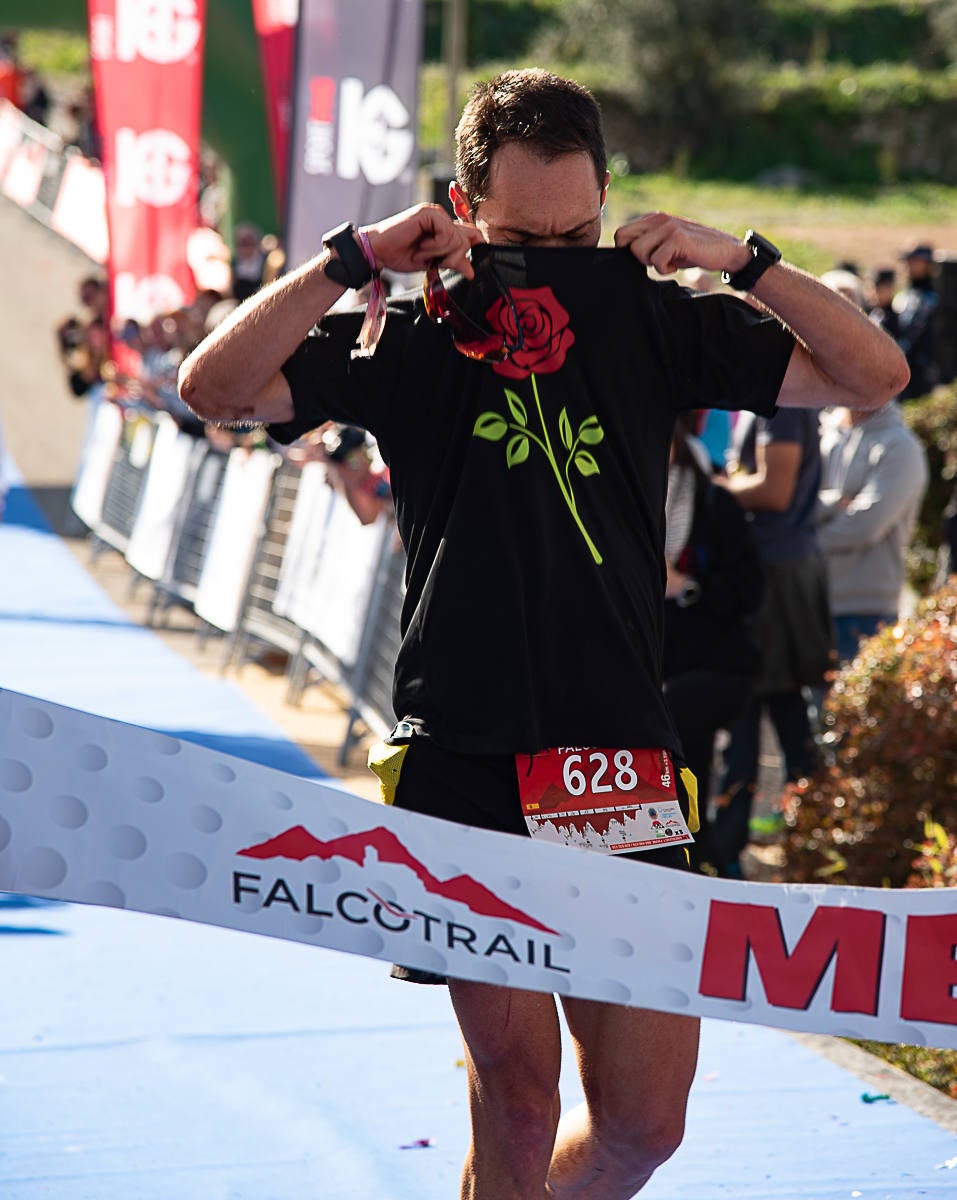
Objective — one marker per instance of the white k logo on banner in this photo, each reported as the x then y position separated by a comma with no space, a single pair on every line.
154,167
148,297
96,811
163,31
374,135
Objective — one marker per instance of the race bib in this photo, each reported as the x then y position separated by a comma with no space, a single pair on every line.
613,801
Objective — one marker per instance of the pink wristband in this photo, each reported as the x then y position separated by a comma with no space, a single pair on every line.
368,251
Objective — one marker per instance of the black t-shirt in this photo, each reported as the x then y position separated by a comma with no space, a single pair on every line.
530,494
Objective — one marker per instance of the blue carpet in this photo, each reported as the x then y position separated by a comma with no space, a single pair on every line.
63,639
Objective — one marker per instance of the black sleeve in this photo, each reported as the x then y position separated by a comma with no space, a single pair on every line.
327,383
727,354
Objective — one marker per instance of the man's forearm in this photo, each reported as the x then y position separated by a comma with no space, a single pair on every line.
756,493
232,374
845,359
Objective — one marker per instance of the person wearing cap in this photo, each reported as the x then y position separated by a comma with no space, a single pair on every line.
916,307
873,477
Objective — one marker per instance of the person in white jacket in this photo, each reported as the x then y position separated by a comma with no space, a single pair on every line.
873,479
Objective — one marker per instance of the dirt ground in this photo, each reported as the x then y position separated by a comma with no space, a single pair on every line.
871,247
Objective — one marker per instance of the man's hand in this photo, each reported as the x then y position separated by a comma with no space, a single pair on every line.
419,236
672,244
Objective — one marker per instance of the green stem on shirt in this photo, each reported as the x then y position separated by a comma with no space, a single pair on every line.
565,487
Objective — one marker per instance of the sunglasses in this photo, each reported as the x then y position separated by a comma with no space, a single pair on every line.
468,337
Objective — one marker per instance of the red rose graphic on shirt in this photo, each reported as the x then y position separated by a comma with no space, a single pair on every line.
544,327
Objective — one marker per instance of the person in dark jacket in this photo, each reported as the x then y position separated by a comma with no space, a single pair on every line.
714,587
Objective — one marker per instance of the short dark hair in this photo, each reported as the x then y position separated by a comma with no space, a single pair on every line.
551,115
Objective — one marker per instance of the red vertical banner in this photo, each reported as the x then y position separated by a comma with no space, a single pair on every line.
147,60
275,22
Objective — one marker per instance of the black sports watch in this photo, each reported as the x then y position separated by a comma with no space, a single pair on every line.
349,268
763,255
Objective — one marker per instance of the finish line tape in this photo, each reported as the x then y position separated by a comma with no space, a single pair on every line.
99,812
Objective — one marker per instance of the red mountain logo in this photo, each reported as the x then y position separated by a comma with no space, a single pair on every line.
299,844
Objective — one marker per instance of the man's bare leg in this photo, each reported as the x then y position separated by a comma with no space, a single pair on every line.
636,1068
513,1055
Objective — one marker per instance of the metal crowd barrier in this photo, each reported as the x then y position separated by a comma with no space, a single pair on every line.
371,681
360,653
194,520
258,621
125,483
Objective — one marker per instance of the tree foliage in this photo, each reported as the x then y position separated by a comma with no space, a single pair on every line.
676,60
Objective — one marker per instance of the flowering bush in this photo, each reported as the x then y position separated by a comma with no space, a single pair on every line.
936,865
891,723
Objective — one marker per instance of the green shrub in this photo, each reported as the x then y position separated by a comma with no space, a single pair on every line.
878,124
859,33
891,721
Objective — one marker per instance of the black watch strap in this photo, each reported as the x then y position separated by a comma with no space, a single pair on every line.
349,268
763,255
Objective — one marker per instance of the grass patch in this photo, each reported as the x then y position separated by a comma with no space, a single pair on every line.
895,205
793,218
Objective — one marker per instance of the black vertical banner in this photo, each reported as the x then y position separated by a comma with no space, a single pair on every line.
354,133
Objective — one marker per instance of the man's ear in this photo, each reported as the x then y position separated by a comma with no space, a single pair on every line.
460,203
604,188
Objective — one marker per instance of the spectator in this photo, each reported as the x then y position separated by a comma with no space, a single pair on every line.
161,359
846,283
248,262
84,351
275,254
10,74
874,475
83,131
208,257
713,590
94,296
34,98
873,478
352,472
916,306
777,482
884,285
